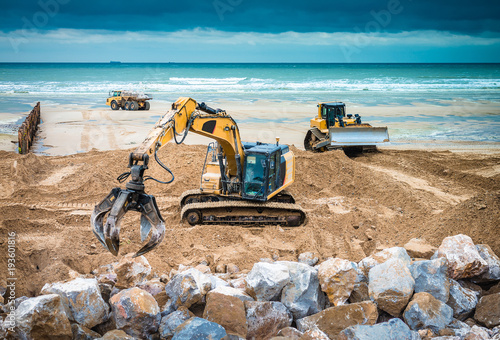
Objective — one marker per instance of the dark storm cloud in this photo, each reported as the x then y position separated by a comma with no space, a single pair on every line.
470,17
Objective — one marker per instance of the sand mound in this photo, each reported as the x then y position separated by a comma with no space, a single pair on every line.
354,205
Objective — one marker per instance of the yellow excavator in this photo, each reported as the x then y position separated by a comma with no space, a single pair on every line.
241,183
333,128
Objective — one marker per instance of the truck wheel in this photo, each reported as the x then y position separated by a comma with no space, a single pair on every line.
134,106
114,105
127,106
146,106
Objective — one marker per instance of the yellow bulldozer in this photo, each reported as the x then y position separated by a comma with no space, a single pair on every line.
333,128
128,100
241,184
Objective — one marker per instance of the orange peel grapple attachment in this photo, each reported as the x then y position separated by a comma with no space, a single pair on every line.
120,201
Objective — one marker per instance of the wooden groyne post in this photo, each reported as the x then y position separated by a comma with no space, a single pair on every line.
27,130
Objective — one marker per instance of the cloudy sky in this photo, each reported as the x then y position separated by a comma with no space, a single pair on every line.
250,31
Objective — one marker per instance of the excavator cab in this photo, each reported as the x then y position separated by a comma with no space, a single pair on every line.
264,170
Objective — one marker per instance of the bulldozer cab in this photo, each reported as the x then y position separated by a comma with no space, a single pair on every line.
331,112
264,170
115,93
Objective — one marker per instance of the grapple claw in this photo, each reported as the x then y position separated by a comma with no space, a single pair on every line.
100,210
117,203
112,226
151,223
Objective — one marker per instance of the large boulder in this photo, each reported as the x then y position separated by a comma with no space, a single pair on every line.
131,271
472,286
187,288
493,289
380,257
136,312
82,300
313,334
290,333
266,280
419,248
236,292
308,258
227,311
240,282
83,333
478,333
425,311
173,320
359,293
394,329
493,272
432,277
391,286
105,327
116,334
105,269
199,329
463,258
488,310
333,320
302,294
266,318
42,317
156,288
459,328
337,278
217,282
461,300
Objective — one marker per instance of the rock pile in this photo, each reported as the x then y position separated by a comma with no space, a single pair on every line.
411,292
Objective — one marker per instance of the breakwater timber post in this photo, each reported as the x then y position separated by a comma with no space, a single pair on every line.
27,130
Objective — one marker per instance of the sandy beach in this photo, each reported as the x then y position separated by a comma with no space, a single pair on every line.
353,205
70,128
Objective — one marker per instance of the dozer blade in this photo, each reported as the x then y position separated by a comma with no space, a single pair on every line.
117,203
358,136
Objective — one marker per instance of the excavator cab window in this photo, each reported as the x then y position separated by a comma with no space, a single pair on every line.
256,170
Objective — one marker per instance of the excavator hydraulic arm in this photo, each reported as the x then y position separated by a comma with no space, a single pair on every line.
186,115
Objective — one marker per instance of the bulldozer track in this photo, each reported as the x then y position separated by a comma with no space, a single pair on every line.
279,215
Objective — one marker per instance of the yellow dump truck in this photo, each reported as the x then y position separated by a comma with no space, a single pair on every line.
128,100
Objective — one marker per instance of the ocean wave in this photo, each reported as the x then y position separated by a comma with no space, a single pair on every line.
207,81
241,84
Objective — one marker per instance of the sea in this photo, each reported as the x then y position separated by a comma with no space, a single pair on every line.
474,89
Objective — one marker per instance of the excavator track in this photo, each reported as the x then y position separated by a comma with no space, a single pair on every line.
198,196
245,213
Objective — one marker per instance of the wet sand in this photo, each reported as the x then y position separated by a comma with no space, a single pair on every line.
68,129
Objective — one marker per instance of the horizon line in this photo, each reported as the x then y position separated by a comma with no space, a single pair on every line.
232,62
